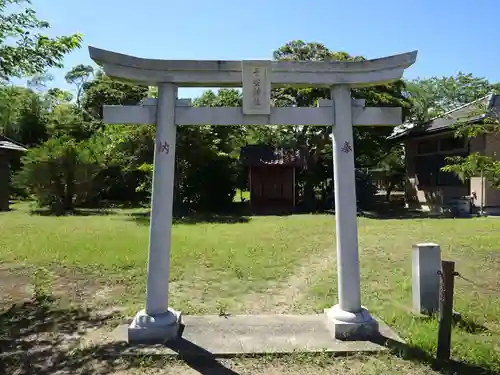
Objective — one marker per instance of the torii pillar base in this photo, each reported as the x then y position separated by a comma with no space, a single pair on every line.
158,329
345,325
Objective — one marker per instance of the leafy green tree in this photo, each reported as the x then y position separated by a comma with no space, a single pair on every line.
79,75
103,90
370,143
473,165
40,82
206,158
60,173
22,115
228,138
56,96
434,96
23,51
476,164
128,156
392,170
127,147
64,119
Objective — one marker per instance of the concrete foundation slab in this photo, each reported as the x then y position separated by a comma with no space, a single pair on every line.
351,326
214,335
146,329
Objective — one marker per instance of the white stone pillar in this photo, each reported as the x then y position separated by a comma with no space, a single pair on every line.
347,319
426,262
160,228
345,202
158,323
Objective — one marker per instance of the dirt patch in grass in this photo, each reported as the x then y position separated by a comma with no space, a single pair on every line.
289,365
41,336
213,265
18,284
48,337
14,284
286,296
85,289
279,262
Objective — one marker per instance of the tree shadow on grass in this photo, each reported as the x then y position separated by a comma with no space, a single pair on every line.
406,214
76,212
39,337
410,353
468,325
9,208
144,217
197,357
42,338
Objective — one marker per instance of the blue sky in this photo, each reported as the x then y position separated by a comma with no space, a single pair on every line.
451,36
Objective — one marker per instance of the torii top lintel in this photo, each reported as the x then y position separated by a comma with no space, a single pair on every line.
213,73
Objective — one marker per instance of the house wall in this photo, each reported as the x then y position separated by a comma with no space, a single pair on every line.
431,197
486,195
272,182
4,181
272,187
491,194
478,184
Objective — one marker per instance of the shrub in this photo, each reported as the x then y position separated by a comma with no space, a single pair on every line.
60,173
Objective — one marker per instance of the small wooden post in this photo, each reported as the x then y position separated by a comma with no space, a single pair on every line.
445,311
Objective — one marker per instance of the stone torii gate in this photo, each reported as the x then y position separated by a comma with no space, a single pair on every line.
347,319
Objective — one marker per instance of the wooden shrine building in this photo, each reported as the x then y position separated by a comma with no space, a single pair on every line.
8,149
271,177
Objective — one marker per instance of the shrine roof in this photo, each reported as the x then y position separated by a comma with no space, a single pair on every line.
9,144
474,111
261,155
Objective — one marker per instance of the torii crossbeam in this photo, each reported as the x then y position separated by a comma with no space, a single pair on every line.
346,320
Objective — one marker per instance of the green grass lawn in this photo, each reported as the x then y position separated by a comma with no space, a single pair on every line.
270,264
241,194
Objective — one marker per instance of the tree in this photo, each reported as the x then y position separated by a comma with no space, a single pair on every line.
370,143
128,156
39,82
103,90
60,173
476,164
206,160
65,120
24,52
22,115
79,76
434,96
229,138
392,170
56,96
472,165
127,147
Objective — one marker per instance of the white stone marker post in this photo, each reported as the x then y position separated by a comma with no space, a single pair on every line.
426,262
158,322
347,319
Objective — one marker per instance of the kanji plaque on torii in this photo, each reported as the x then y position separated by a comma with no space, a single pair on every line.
347,319
256,87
